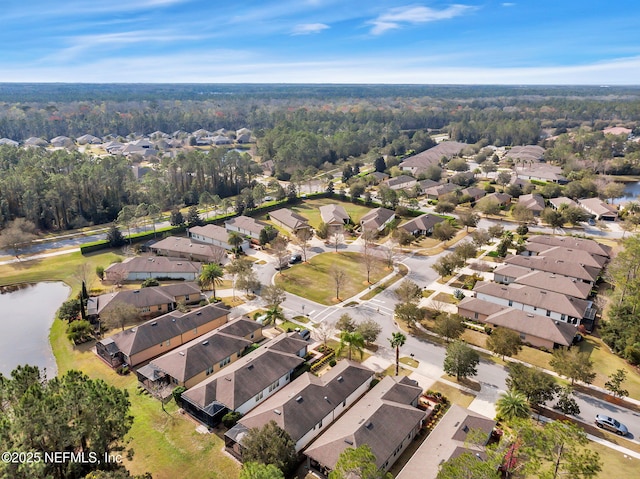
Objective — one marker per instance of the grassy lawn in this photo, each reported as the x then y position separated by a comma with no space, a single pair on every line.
391,371
310,209
313,280
455,395
614,463
409,362
445,298
605,363
380,288
332,343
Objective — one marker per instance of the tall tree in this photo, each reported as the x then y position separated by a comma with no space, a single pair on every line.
614,383
504,342
273,295
339,277
270,445
444,231
468,219
358,462
256,470
538,386
211,276
350,342
449,326
573,364
119,315
408,291
279,247
409,313
397,340
346,323
461,360
17,235
369,329
302,238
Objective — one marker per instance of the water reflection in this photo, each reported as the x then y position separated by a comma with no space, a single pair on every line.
26,315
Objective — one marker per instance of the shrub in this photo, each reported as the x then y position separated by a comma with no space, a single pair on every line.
230,419
100,271
177,394
332,363
458,294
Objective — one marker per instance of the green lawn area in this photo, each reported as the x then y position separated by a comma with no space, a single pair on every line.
403,270
313,280
614,463
310,209
455,395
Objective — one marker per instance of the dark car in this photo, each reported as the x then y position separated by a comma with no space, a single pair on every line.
295,258
606,422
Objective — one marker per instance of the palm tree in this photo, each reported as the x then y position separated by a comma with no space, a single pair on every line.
351,341
273,314
397,340
211,275
235,240
512,405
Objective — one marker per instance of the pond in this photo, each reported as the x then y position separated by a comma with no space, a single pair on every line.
26,315
631,193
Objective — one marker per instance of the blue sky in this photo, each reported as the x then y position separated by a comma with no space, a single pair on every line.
321,41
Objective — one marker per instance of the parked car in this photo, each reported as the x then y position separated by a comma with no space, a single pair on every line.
591,222
606,422
295,258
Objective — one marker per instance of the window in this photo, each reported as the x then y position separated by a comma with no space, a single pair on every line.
251,337
186,297
548,313
523,336
320,424
259,396
146,309
209,370
167,342
563,317
510,302
274,385
195,330
225,361
475,315
344,403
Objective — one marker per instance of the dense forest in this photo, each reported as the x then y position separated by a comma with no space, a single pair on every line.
304,129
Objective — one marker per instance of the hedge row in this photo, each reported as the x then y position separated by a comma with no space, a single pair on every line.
323,362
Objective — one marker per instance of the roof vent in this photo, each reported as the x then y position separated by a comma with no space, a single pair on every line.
557,323
181,353
277,411
204,343
543,292
340,379
465,428
179,264
199,313
327,399
529,315
299,399
250,367
136,291
349,441
369,425
155,323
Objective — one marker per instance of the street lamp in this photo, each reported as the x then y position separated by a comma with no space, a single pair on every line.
303,310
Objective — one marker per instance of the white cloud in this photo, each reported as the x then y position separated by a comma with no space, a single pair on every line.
508,4
309,28
415,14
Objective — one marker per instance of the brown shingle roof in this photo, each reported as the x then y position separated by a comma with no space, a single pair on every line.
289,218
161,264
186,246
557,266
588,245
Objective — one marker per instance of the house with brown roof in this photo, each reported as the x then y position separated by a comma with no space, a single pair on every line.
400,182
474,193
139,268
159,335
438,191
507,274
307,406
419,163
503,199
214,235
536,301
573,255
289,220
587,274
377,176
598,208
249,381
386,419
422,225
541,172
178,247
194,361
538,331
448,440
526,154
377,219
556,203
334,216
150,302
588,245
246,226
533,202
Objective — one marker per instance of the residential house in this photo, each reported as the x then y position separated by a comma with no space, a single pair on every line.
419,163
335,217
150,302
9,142
527,153
245,226
289,220
503,199
617,130
422,225
449,439
426,184
440,190
377,219
307,406
598,208
249,381
474,193
178,247
377,176
88,140
587,274
221,140
541,172
573,255
34,141
62,142
401,182
140,268
385,419
194,361
507,274
215,235
556,203
537,301
536,330
157,336
243,135
533,202
588,245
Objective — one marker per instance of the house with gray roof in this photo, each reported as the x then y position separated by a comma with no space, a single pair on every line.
533,202
447,441
438,191
585,244
507,274
307,406
249,381
556,203
386,419
88,140
334,216
377,219
139,268
538,331
289,220
159,335
587,274
419,163
598,208
422,225
574,255
8,142
179,247
214,235
245,226
400,182
191,363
